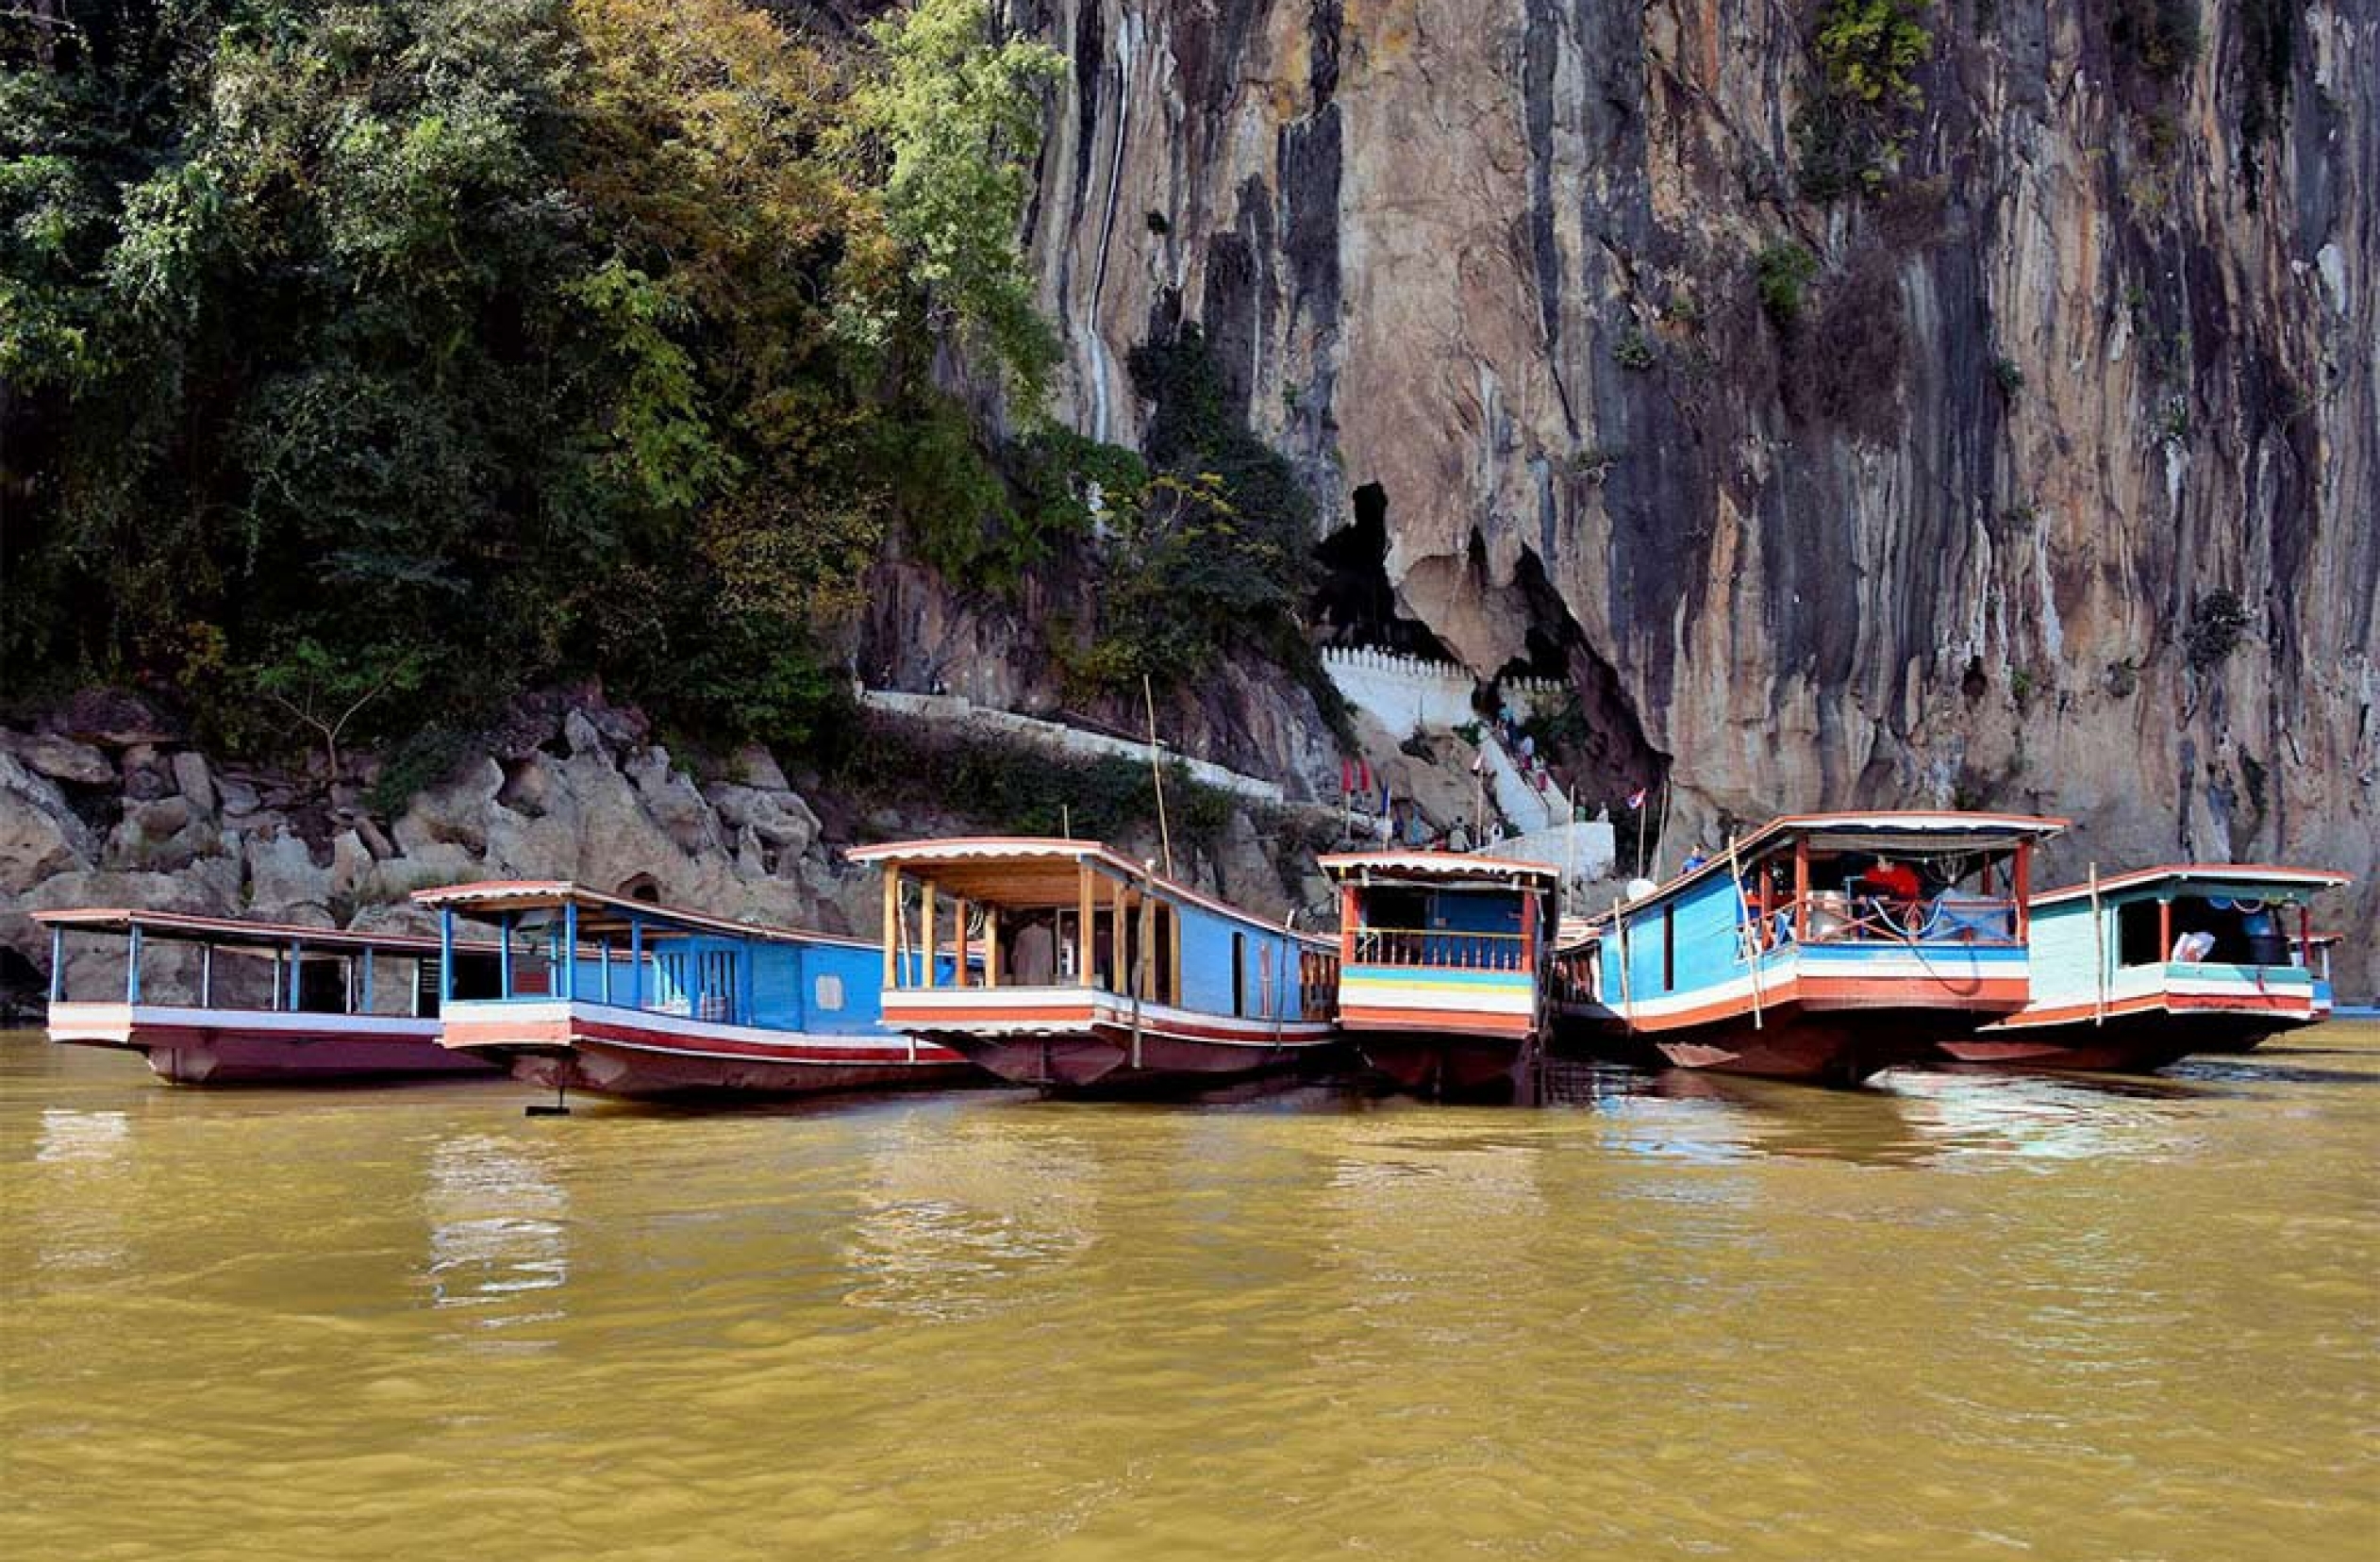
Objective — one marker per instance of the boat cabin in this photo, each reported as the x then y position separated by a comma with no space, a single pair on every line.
218,998
559,941
222,963
1025,913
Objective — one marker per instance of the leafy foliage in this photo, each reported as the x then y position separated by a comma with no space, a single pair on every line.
494,338
1851,130
1782,272
1210,549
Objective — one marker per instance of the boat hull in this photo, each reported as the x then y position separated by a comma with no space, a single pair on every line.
192,1046
1078,1039
635,1055
1832,1015
2154,1016
1450,1066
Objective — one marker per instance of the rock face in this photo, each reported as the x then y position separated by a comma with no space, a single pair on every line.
1962,516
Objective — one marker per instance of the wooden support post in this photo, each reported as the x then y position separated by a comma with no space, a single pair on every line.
1528,930
1620,936
132,967
1082,923
1347,917
2306,935
2022,891
925,946
569,984
959,937
991,946
1174,953
2164,931
1801,891
445,959
636,962
1117,979
2099,951
1147,983
891,925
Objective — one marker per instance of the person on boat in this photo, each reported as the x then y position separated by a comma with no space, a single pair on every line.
1458,839
1894,886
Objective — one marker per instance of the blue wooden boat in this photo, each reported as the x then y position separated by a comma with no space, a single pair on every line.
1821,947
593,992
2135,972
1442,957
1096,971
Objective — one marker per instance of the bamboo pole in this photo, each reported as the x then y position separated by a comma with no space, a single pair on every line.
1157,775
2099,947
1751,945
1620,932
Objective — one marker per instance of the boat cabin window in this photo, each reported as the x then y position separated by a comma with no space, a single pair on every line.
1240,973
322,986
828,992
2136,927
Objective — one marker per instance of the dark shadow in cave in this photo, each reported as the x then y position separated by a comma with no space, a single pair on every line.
1352,602
1604,754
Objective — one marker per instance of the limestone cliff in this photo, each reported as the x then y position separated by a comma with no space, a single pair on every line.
2051,484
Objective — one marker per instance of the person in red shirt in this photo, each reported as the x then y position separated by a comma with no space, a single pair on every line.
1892,881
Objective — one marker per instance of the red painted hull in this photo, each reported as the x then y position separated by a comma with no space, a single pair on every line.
598,1070
1830,1046
1450,1067
2129,1044
1107,1060
279,1049
637,1055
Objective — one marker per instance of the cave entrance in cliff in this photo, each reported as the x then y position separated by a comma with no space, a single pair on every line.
1354,602
644,887
1597,737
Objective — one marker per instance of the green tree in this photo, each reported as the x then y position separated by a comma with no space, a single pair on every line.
952,121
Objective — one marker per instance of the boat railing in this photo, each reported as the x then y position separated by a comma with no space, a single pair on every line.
1441,949
1834,917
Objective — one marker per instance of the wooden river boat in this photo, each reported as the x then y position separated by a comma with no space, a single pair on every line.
223,1000
621,998
1441,957
1096,972
2135,971
1823,947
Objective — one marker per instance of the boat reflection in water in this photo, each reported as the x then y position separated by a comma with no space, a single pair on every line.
499,1233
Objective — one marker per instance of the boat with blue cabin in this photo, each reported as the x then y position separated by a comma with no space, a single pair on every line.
1096,972
223,1001
618,997
2137,970
1441,958
1822,947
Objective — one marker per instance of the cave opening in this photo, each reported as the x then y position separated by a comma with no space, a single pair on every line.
1601,752
1354,602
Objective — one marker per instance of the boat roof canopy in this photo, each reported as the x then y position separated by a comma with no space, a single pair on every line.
1034,872
232,932
601,915
2279,879
1892,831
1460,869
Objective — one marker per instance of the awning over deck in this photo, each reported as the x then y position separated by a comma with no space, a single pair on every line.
2230,875
1037,873
233,932
1437,867
601,916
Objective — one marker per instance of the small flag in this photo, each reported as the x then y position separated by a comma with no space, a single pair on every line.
1347,776
1636,799
1363,775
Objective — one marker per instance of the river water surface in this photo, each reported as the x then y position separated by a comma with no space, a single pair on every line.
1954,1316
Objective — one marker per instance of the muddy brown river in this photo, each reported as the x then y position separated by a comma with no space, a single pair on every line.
1953,1316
